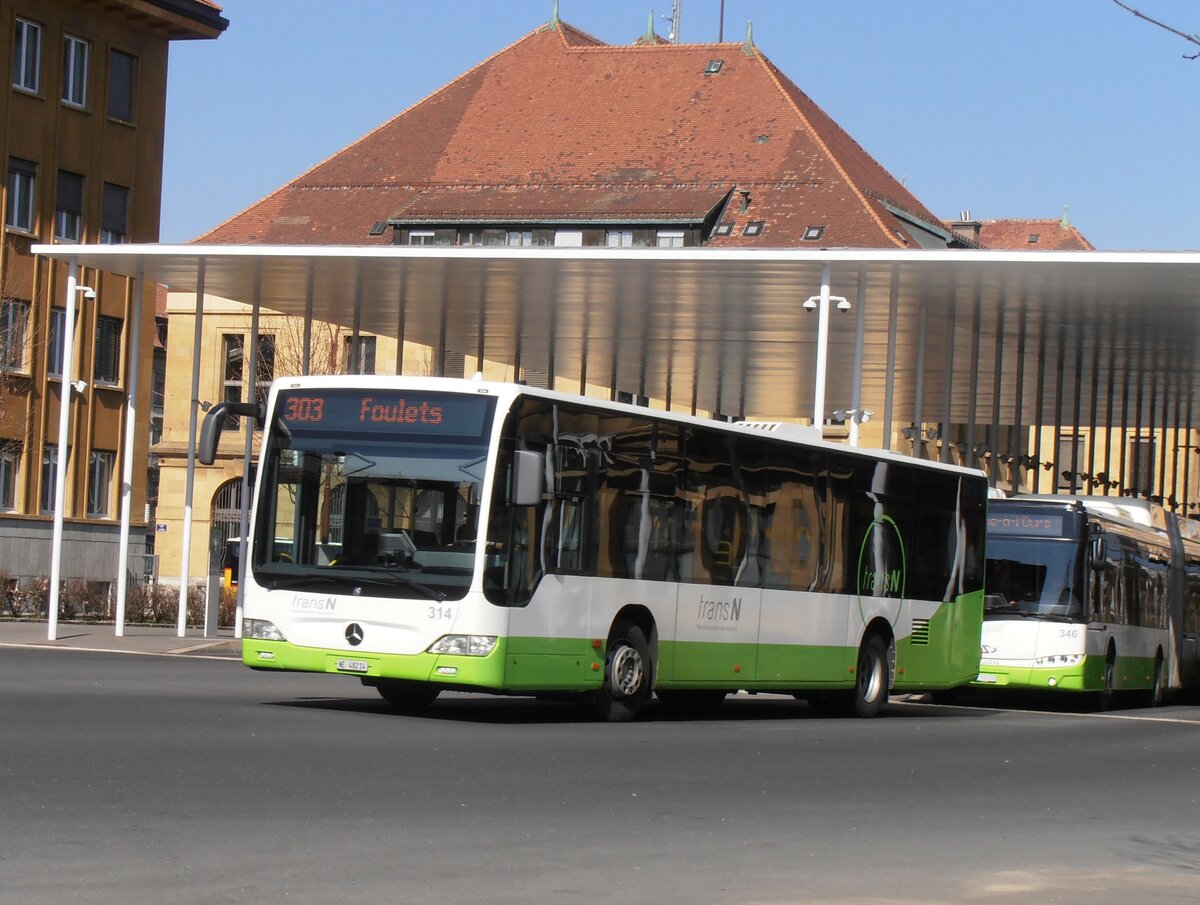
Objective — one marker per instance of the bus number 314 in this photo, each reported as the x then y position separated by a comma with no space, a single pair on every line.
441,612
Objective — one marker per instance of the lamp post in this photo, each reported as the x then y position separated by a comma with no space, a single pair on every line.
820,303
64,426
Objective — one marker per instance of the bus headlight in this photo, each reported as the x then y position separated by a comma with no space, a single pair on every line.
1059,660
464,645
261,630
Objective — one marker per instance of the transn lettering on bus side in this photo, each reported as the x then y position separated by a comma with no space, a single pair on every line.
399,412
720,610
871,579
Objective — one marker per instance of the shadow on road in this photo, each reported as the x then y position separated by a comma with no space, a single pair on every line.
478,708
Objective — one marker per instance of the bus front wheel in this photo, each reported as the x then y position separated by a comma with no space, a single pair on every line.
628,675
406,695
871,678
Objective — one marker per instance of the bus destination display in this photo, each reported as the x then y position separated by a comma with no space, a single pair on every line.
439,414
1029,525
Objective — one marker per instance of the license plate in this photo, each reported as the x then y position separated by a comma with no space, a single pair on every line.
987,678
352,665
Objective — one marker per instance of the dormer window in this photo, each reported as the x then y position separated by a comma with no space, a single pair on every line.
724,229
1034,238
754,228
813,233
713,67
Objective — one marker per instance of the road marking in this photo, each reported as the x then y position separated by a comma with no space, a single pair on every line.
110,650
1095,716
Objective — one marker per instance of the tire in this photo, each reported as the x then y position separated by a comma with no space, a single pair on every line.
690,701
871,678
407,696
1106,698
1158,693
628,675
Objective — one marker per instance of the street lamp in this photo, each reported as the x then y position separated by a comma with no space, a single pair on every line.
820,303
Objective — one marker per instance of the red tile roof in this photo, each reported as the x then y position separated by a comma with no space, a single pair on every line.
1019,235
559,126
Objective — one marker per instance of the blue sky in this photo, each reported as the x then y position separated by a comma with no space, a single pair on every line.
1008,109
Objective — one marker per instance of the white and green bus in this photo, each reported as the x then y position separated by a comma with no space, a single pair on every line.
1090,594
427,534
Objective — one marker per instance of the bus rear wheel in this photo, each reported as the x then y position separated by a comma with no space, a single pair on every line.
404,695
628,675
871,677
1158,693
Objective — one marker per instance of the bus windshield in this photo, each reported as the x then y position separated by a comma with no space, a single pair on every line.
365,492
1033,577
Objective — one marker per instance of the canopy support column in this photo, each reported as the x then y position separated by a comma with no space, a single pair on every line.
185,551
247,453
948,383
64,426
822,349
127,447
889,389
860,314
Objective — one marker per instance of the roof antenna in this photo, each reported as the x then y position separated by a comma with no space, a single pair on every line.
748,45
676,10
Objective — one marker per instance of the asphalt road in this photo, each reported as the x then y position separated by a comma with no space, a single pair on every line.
162,780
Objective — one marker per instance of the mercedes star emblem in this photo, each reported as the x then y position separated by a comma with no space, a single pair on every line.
354,633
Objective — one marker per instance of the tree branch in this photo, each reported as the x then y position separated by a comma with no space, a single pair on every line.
1195,39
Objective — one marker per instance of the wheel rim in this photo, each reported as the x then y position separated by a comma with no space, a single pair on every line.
626,671
870,672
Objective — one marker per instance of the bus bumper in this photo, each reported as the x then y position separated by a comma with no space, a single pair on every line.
439,669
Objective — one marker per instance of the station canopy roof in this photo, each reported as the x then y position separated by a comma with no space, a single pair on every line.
1077,332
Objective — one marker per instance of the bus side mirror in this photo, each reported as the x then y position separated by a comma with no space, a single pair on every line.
214,424
528,478
1098,551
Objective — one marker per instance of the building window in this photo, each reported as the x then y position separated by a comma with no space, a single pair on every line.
10,463
619,238
670,238
76,53
754,228
54,347
364,361
100,473
568,238
421,237
27,56
122,71
14,328
50,478
114,216
235,373
22,181
266,368
1141,465
813,233
233,354
520,238
68,216
724,229
107,367
1070,449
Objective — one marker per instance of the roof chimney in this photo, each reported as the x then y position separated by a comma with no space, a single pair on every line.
966,226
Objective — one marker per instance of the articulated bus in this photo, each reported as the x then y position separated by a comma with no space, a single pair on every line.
429,534
1090,594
